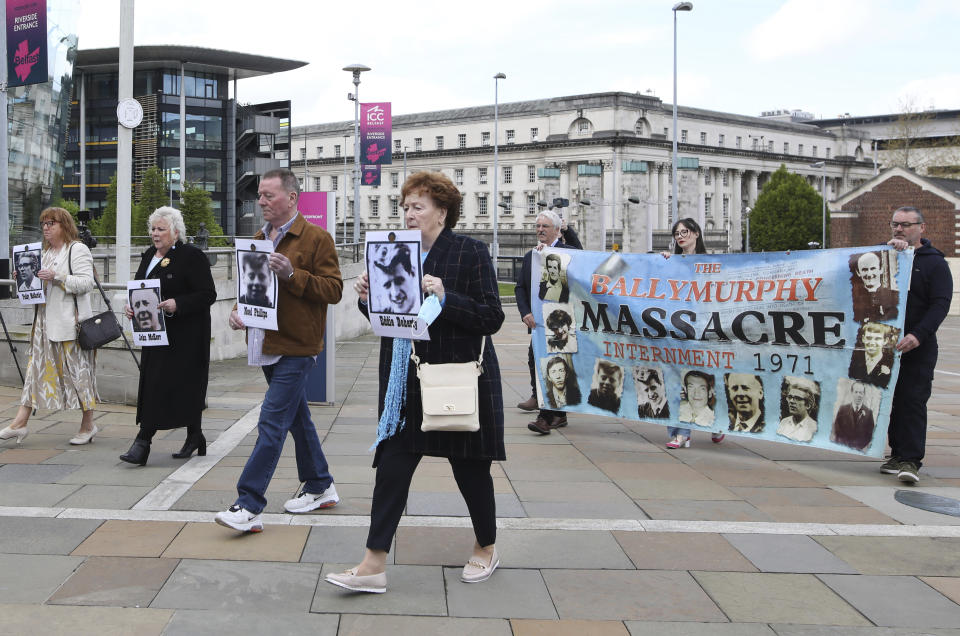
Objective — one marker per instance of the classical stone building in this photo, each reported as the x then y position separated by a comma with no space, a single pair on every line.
601,148
862,216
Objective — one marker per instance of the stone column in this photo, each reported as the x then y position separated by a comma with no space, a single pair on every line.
717,206
752,177
736,210
663,204
702,196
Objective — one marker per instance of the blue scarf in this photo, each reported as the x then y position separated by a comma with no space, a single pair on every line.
390,421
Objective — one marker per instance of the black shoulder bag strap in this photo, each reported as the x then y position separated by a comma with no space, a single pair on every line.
106,300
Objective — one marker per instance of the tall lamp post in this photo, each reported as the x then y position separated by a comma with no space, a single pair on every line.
823,197
496,173
674,207
356,69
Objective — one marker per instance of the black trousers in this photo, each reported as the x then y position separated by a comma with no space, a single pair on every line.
394,474
147,432
907,433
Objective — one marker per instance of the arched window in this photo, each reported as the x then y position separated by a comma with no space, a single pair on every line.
642,127
581,127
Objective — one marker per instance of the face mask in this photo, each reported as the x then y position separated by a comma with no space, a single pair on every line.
429,310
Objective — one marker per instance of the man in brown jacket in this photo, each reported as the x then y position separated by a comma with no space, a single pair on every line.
308,275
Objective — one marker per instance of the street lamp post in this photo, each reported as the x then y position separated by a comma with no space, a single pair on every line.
674,207
823,198
345,189
356,69
746,216
496,174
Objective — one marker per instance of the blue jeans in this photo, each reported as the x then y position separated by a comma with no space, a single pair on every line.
673,431
284,409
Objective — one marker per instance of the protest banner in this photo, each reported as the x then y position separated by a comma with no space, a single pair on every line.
794,347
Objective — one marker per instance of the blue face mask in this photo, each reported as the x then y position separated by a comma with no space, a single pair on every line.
429,310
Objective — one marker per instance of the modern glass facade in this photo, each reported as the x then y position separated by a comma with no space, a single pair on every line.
37,125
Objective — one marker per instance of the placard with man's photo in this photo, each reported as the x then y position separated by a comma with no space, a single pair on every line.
558,320
26,262
148,322
395,275
256,284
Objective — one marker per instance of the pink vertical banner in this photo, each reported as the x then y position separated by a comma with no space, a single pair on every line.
375,133
314,206
26,42
370,175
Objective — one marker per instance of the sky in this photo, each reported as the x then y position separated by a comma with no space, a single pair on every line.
826,57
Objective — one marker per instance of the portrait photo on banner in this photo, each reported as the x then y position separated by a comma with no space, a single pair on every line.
652,401
554,287
873,284
148,322
698,398
559,321
26,263
560,380
394,270
872,358
606,386
256,284
799,408
854,414
745,406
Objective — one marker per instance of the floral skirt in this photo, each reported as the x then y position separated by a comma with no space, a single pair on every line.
60,375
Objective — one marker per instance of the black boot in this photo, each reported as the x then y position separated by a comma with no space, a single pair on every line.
138,453
198,443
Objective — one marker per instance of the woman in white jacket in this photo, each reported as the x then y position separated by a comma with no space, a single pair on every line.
60,375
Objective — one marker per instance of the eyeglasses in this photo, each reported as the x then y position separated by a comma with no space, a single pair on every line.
904,224
681,233
49,223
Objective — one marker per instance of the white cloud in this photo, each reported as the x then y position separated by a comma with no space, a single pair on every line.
941,92
809,26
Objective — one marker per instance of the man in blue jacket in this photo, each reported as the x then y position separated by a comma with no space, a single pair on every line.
931,288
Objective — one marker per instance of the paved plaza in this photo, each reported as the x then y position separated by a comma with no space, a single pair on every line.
602,530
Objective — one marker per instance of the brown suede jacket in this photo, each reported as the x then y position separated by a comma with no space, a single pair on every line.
302,300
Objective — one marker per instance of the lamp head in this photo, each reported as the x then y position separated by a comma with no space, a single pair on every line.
683,6
633,199
499,76
585,202
818,164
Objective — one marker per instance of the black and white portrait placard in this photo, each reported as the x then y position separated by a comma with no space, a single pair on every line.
256,284
395,275
26,260
149,325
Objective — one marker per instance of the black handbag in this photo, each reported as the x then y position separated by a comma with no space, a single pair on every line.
98,330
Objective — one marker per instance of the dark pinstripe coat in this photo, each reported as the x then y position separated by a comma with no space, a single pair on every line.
471,310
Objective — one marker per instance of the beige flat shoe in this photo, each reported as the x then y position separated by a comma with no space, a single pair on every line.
19,433
373,583
475,571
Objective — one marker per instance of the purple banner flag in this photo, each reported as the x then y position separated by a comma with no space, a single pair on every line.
370,175
375,134
26,42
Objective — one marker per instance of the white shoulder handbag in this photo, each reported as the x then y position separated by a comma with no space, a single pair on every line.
449,394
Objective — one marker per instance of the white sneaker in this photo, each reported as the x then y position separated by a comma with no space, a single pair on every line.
240,519
306,501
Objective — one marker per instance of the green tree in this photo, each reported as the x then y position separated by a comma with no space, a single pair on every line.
196,208
70,206
106,225
153,194
787,214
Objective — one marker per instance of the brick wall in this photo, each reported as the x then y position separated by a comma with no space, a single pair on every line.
875,208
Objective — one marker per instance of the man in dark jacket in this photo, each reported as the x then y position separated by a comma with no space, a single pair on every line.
931,288
548,235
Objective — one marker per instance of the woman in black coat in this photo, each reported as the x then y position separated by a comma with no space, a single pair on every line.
459,272
173,378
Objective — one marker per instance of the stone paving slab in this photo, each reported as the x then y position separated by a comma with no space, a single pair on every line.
216,623
270,588
100,496
34,495
58,620
25,535
34,474
33,578
787,553
517,594
364,625
212,541
918,556
682,551
115,581
653,595
948,586
777,598
130,539
895,601
881,498
411,590
826,630
648,628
